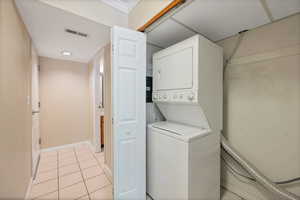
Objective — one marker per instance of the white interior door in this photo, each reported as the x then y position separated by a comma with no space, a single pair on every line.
35,113
129,118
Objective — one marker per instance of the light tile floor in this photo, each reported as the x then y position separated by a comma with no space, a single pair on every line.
71,173
77,173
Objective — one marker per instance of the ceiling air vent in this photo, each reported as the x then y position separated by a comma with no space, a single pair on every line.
76,33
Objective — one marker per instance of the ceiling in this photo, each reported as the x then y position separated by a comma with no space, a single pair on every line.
219,19
122,5
47,24
215,19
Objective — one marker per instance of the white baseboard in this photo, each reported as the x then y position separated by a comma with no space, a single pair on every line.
108,172
97,148
65,146
27,195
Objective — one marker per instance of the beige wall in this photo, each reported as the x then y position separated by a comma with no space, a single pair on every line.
64,96
144,11
262,103
15,106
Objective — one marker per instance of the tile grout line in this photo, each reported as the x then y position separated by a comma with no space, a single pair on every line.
42,195
66,165
94,155
81,172
82,175
101,166
101,188
44,182
67,174
77,171
38,183
46,171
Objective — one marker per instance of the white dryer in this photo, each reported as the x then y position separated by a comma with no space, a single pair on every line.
182,162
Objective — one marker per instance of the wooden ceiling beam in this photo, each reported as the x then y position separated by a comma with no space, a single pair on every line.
172,5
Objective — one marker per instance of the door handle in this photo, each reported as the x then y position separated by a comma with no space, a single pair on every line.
35,112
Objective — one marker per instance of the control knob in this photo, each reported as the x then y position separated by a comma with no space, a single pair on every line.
191,96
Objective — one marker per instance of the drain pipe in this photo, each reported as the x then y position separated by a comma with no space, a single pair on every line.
259,177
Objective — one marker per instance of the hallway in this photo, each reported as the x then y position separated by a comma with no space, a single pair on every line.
71,173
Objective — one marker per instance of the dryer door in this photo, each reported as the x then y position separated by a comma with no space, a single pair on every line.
174,71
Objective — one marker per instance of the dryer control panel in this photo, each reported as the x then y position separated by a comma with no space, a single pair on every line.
175,96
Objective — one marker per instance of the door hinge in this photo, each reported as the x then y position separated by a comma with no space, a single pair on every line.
113,48
40,141
39,104
39,67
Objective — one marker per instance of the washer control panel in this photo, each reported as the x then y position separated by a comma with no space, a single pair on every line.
175,96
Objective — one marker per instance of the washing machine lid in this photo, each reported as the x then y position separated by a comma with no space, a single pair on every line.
179,131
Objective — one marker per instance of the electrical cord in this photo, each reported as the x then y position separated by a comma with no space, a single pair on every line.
253,179
288,181
232,192
281,193
236,171
239,41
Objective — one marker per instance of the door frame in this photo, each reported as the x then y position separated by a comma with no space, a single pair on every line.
96,113
35,111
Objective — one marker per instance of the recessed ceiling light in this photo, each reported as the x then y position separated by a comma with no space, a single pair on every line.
66,53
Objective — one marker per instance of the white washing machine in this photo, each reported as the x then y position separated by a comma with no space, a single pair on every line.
182,162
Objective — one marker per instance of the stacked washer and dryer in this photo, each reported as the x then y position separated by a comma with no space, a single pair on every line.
183,152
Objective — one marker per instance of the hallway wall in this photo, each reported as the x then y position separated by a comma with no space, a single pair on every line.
262,103
64,95
15,103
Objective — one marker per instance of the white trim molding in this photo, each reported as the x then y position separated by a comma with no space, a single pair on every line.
27,195
108,172
121,5
66,146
